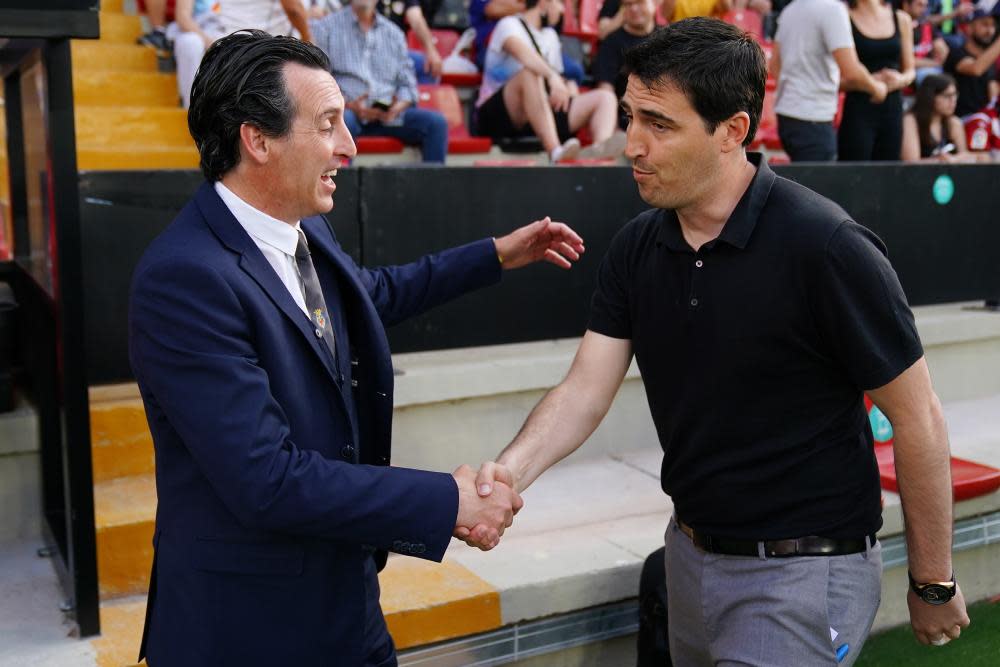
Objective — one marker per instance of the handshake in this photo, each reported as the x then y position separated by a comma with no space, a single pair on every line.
487,503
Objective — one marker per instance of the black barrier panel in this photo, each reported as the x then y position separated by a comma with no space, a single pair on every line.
410,212
942,251
121,213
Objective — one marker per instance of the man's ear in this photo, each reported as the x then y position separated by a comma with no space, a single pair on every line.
254,144
735,129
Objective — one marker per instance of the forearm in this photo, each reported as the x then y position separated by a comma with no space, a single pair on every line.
924,472
298,17
415,18
497,9
858,79
556,428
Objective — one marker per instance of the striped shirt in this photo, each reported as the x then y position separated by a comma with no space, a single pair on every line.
376,63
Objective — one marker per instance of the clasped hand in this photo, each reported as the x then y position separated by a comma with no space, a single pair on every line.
486,505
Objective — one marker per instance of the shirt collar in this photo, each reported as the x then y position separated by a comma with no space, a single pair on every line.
354,18
742,220
259,225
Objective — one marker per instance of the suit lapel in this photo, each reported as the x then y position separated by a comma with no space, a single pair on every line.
219,218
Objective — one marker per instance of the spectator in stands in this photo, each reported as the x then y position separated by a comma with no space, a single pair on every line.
414,14
201,22
523,88
195,29
157,12
944,14
812,45
883,37
638,22
931,130
372,64
974,65
929,48
484,15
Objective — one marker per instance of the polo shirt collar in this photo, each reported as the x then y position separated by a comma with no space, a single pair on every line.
259,225
742,220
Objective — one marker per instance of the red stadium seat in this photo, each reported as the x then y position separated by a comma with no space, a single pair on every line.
968,478
767,131
379,145
444,99
461,80
584,25
747,19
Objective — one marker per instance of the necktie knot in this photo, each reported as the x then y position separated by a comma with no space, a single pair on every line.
302,247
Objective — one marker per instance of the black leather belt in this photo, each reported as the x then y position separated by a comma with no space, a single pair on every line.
811,545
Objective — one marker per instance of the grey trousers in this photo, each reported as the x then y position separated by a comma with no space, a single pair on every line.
768,612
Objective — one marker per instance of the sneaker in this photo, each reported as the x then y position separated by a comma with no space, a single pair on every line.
612,147
567,151
155,39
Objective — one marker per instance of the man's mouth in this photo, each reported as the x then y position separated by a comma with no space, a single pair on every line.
327,176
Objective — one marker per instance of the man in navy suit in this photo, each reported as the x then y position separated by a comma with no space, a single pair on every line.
260,354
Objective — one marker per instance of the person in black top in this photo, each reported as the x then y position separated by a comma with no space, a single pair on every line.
759,314
974,65
638,22
883,38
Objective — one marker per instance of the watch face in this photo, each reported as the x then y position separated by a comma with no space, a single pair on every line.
935,594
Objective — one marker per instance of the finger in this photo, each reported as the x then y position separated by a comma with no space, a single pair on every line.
462,533
485,478
566,250
553,257
954,633
566,232
518,503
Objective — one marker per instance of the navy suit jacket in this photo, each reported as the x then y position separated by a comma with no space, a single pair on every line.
266,514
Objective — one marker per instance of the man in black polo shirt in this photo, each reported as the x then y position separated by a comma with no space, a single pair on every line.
759,313
974,65
639,21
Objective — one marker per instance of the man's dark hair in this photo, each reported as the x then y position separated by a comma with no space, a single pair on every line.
241,80
719,67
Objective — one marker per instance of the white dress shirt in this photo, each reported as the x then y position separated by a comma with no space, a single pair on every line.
277,240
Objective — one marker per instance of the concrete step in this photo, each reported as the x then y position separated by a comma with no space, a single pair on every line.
114,159
133,128
120,28
115,88
89,54
124,513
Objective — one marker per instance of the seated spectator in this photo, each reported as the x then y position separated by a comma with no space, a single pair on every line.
276,17
158,13
372,66
974,65
944,14
931,130
195,28
814,43
484,15
638,21
610,18
523,88
929,48
413,14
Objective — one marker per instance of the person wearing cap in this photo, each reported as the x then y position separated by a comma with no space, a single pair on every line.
974,65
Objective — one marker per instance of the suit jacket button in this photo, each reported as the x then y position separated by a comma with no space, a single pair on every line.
383,460
347,451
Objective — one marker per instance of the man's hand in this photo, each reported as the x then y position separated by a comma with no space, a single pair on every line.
393,112
559,95
937,624
365,113
893,79
490,475
543,239
433,63
488,516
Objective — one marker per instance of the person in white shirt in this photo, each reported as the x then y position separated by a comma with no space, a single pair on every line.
524,91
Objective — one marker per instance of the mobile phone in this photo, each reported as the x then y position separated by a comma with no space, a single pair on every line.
380,105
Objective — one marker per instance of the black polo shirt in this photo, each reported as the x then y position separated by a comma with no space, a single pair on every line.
755,351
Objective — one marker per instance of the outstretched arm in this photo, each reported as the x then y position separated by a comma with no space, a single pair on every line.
560,423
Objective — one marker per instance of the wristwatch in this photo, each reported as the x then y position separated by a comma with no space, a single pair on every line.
935,592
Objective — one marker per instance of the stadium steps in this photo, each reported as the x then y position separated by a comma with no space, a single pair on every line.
588,523
127,113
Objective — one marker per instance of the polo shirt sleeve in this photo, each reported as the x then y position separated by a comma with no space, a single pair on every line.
608,60
862,311
609,307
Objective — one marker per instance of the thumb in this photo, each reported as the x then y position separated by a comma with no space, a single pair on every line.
489,472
